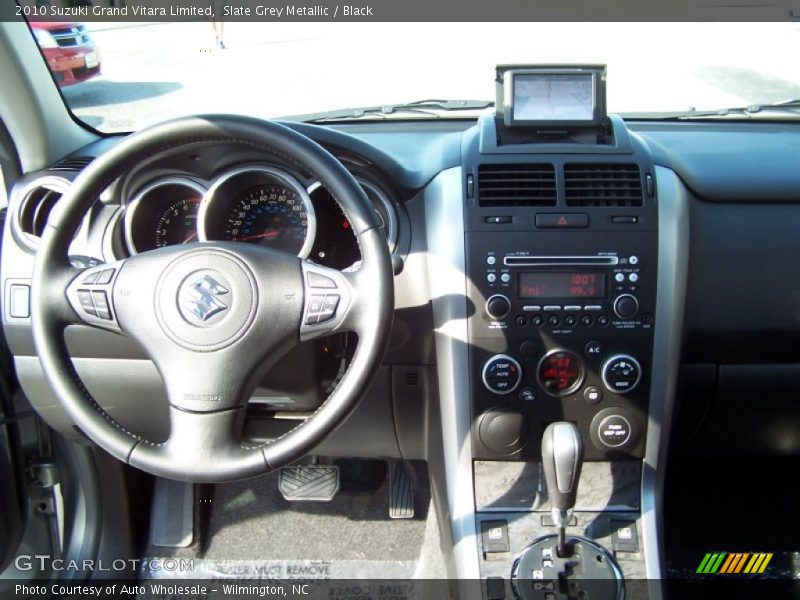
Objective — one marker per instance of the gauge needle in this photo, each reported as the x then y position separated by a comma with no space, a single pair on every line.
190,238
269,234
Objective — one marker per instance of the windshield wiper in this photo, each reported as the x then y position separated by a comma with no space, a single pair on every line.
430,108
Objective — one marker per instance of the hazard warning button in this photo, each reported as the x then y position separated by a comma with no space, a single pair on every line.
562,220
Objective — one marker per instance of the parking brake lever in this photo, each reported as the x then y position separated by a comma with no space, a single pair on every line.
562,458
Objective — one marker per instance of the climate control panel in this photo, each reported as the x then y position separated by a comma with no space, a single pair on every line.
562,329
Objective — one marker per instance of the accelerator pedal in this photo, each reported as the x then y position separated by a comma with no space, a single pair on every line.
172,514
309,482
401,491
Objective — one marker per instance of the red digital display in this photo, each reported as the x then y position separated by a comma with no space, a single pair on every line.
561,373
561,285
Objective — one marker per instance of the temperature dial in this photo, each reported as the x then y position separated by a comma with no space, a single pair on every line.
621,373
501,374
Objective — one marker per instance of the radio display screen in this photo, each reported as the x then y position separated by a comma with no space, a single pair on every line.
561,285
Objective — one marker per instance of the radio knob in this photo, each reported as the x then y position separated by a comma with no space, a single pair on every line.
626,306
501,374
498,306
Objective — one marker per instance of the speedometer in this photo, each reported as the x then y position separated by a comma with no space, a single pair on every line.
270,215
259,205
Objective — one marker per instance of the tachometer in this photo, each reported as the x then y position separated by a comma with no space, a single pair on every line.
163,213
259,205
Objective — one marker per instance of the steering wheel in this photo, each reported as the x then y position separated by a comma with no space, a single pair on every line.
213,317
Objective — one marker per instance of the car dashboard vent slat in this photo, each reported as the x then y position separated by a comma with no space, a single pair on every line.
74,163
521,184
603,184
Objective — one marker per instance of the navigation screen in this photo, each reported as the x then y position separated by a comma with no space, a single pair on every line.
555,97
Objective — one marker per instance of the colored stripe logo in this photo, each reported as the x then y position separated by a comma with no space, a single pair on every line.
732,563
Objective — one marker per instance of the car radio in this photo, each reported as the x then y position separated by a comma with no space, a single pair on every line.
561,328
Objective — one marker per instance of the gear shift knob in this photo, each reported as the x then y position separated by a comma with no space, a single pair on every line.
562,458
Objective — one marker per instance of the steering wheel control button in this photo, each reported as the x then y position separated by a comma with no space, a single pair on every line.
329,306
105,276
621,373
497,306
86,302
102,308
317,280
626,306
592,394
206,300
560,372
91,279
314,309
527,395
501,374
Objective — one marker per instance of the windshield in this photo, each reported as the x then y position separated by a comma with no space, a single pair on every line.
141,73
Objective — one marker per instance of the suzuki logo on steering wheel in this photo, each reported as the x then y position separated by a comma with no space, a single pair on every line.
201,298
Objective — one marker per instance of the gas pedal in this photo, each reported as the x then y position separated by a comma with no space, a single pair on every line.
309,482
401,491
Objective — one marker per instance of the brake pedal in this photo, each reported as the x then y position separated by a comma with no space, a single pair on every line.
401,491
172,514
309,482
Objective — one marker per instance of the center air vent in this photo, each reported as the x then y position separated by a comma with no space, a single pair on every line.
37,202
603,184
517,185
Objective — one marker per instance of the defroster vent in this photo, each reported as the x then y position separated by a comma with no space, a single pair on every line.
603,184
517,185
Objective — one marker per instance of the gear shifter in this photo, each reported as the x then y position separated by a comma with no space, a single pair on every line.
562,457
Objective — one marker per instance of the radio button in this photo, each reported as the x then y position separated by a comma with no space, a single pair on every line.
571,308
619,277
626,306
537,320
498,306
505,277
570,320
633,260
491,278
552,308
593,307
586,320
633,278
501,374
521,320
531,308
490,260
621,373
603,320
554,321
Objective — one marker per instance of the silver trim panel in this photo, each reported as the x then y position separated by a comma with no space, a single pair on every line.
673,263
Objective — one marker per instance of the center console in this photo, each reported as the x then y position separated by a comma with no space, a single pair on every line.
561,260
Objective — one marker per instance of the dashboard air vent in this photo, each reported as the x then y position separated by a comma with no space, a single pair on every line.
517,185
603,184
33,210
74,163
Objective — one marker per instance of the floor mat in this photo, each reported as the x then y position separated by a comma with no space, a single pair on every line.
252,531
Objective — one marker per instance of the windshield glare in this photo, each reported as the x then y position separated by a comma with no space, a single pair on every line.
153,71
